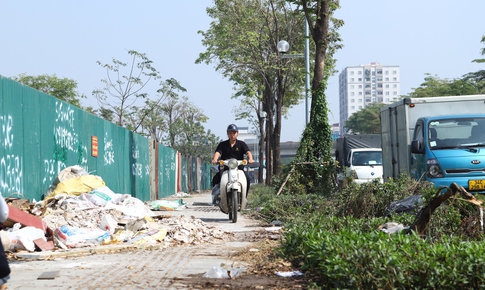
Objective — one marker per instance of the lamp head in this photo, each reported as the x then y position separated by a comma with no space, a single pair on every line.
283,46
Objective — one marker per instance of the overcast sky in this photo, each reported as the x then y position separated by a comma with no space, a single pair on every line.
66,38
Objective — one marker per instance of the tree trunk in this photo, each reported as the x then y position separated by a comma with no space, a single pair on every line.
277,129
319,35
262,134
268,106
421,223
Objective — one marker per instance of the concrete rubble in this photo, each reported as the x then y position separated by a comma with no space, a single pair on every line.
79,211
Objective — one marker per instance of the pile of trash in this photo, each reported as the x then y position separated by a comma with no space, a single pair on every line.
79,210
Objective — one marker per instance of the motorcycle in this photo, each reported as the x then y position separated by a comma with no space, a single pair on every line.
230,194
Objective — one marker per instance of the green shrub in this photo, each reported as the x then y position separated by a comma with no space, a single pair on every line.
352,258
372,199
286,208
336,237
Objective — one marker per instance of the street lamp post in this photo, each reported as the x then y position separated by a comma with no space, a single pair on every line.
307,70
283,46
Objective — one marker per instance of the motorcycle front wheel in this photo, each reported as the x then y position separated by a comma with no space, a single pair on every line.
234,206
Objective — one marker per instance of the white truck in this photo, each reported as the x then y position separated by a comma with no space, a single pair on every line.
433,139
359,157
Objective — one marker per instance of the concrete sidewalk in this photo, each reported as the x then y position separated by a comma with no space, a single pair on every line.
123,267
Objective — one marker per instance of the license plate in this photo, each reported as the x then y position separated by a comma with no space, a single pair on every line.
476,184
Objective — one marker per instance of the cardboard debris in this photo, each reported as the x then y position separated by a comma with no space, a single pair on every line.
119,219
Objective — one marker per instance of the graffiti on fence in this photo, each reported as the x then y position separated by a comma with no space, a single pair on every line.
11,170
64,115
7,125
137,167
66,139
109,153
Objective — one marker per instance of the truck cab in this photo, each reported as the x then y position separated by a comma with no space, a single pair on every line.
447,149
364,164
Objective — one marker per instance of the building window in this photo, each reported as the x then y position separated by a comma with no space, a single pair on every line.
387,86
351,72
352,107
360,93
360,72
360,107
394,79
360,79
394,72
394,93
387,72
360,86
387,79
351,86
352,100
387,93
394,86
351,79
352,93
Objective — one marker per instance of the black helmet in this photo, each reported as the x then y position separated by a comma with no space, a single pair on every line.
232,127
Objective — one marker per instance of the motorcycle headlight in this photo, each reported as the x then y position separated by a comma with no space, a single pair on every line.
232,163
434,169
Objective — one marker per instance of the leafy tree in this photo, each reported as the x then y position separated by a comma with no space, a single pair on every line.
242,41
314,163
251,109
433,86
62,88
365,121
150,117
477,79
184,129
125,85
481,60
106,114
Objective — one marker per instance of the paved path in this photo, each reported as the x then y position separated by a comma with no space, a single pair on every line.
136,269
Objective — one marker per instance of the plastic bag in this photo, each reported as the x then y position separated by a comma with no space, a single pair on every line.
108,223
78,237
24,238
100,196
409,204
219,272
216,272
167,205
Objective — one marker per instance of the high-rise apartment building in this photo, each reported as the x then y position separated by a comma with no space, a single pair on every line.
360,86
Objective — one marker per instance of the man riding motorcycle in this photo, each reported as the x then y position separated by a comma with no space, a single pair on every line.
232,148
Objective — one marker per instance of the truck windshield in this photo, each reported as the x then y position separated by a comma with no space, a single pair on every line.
456,133
367,158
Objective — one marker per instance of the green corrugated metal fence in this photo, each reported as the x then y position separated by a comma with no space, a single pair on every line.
41,135
167,173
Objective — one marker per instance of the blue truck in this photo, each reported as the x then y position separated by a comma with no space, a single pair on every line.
436,139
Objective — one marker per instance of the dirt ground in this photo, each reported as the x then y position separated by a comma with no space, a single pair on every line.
261,271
